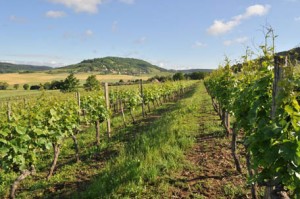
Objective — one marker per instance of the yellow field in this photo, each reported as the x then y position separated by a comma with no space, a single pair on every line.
36,78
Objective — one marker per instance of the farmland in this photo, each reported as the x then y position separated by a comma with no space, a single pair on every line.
36,78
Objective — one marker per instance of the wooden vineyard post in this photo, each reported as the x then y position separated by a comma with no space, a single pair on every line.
107,106
122,111
8,111
142,95
78,99
227,120
279,63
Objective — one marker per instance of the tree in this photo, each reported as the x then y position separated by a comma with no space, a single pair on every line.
35,87
71,83
16,86
197,75
47,86
57,85
3,85
178,76
26,86
92,84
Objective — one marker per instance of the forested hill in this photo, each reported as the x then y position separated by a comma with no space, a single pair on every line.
114,65
14,68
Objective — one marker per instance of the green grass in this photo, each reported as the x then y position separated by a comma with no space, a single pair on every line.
157,150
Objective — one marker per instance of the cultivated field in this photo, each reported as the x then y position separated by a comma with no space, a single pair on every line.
36,78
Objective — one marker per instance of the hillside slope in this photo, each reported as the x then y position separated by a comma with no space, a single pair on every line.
115,65
15,68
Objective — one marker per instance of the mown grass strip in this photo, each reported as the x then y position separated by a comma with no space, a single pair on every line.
157,150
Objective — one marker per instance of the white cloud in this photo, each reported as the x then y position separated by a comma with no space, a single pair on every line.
55,14
297,18
239,40
127,1
88,33
220,27
89,6
199,44
256,10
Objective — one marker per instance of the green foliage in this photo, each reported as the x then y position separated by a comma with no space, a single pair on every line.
94,108
16,86
160,78
92,84
178,76
36,125
70,84
3,85
196,75
56,85
22,137
26,86
273,142
108,65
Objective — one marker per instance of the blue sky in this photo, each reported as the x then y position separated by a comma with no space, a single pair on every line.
177,34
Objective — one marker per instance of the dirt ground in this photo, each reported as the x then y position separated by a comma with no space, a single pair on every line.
211,172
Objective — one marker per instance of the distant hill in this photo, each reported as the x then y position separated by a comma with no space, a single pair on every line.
114,65
15,68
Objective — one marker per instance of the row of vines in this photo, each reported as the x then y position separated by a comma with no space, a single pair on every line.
262,96
32,126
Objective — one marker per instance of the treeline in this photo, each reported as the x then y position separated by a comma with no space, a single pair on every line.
180,76
71,83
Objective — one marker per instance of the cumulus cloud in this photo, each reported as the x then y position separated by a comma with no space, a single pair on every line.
55,14
239,40
221,27
89,6
127,1
199,44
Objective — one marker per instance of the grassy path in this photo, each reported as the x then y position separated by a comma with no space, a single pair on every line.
211,173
